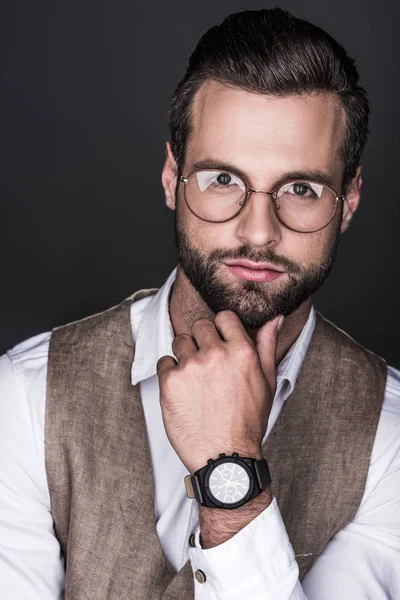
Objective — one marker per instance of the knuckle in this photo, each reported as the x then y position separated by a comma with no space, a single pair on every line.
160,362
215,353
200,323
245,349
225,314
174,345
181,338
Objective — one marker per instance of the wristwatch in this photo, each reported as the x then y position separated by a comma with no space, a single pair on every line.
228,481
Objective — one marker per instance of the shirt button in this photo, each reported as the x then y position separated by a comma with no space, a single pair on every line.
200,576
192,541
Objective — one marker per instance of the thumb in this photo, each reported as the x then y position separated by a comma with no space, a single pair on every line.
266,344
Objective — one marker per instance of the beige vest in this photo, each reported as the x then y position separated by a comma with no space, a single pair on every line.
99,469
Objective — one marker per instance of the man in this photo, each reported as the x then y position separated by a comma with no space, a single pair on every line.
217,438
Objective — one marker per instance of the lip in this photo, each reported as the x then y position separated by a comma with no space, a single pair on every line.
261,275
255,266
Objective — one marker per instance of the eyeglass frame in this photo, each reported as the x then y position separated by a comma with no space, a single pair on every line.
249,190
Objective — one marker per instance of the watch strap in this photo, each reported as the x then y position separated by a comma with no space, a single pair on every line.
262,472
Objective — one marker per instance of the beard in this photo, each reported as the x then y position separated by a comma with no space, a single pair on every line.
254,302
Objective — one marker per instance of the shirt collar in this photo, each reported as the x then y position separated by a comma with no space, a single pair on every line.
153,334
289,368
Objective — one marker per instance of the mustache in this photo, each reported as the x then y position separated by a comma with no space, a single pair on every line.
246,252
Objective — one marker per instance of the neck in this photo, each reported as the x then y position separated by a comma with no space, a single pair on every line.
186,306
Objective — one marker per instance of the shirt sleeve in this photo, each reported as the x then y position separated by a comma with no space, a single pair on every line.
361,561
31,565
257,563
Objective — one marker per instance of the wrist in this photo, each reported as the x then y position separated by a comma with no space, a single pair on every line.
218,525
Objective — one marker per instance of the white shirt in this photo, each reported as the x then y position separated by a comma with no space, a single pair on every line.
361,561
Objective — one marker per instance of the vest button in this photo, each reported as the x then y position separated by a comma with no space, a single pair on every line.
200,576
191,541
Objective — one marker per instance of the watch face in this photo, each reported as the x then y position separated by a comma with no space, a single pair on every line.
228,482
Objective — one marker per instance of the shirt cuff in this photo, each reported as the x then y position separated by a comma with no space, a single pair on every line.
257,561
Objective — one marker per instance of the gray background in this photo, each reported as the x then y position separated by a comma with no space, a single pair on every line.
83,127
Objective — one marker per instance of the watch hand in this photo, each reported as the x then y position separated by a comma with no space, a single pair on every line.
232,483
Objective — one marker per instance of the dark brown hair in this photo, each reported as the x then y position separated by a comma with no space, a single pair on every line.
273,52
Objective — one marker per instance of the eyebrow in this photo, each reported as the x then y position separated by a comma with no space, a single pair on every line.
308,174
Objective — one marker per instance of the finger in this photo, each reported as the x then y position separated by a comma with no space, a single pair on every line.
183,346
230,326
205,333
266,343
165,364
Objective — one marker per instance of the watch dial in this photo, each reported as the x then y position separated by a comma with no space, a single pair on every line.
229,483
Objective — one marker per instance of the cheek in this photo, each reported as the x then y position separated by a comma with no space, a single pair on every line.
206,236
197,231
319,244
305,249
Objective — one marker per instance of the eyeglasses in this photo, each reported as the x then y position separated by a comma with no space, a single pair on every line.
218,196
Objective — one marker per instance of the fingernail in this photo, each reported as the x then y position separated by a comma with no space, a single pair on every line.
280,322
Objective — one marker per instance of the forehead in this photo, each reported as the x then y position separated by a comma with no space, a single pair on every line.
257,131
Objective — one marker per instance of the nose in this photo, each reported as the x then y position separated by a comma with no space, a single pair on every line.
258,225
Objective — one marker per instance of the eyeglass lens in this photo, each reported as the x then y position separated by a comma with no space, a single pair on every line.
219,195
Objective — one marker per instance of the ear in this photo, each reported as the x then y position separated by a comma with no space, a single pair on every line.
352,200
169,177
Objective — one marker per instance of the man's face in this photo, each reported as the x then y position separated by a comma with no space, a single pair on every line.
264,137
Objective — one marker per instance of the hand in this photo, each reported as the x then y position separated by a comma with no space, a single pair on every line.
218,398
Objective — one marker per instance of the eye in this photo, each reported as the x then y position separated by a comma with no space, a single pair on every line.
226,180
219,181
300,189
